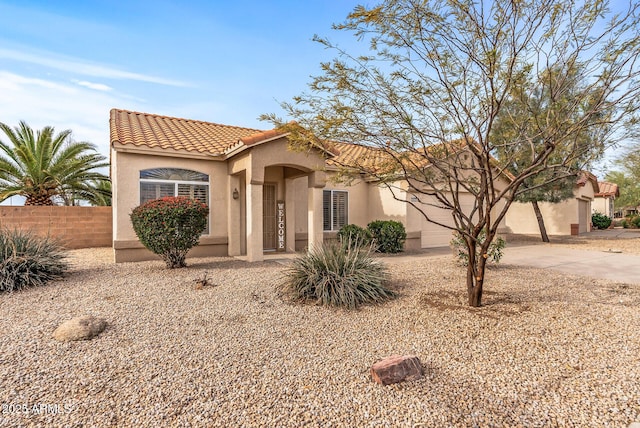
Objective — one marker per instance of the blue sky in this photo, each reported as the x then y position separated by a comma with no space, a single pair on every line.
67,63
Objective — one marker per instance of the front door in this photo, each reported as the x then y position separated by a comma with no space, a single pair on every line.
269,217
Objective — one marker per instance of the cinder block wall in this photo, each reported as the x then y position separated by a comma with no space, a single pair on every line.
76,227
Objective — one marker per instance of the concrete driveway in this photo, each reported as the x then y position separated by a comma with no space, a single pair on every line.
598,264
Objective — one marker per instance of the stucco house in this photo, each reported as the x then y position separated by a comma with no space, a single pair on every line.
262,196
604,199
570,217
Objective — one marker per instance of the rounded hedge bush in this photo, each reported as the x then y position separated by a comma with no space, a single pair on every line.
388,235
600,221
170,227
27,260
352,234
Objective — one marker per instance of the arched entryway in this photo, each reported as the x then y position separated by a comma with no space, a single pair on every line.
263,217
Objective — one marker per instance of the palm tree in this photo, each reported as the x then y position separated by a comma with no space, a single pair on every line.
95,192
43,166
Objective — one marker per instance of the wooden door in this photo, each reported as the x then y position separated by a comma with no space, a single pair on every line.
269,216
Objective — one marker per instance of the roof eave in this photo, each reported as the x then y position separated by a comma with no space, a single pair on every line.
158,151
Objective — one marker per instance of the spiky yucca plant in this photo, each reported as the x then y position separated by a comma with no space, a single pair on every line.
27,260
337,275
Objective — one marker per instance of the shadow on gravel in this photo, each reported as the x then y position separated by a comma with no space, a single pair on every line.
495,304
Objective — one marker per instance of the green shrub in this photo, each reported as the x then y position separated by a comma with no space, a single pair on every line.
27,260
170,227
625,223
600,221
352,234
337,275
388,235
460,251
636,221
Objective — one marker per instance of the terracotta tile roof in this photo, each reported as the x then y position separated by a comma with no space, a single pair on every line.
584,177
354,154
154,131
380,161
262,136
607,189
144,130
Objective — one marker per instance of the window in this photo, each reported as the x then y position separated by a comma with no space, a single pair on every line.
160,182
335,209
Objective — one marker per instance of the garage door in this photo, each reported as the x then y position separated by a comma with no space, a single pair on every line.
434,235
583,216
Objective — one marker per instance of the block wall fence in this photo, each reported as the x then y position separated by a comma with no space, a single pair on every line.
75,227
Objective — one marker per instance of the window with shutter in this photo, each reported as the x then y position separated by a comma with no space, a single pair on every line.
160,182
335,209
326,210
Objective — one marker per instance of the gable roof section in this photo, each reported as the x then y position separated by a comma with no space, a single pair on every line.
607,189
584,177
143,130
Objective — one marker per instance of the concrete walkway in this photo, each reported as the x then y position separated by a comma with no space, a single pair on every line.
598,264
593,263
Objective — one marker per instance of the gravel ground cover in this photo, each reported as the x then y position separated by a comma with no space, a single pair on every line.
545,350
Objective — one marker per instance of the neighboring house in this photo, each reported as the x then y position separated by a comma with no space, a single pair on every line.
570,217
604,199
627,211
262,196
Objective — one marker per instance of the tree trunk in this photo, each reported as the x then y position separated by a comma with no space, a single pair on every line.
543,229
475,273
38,200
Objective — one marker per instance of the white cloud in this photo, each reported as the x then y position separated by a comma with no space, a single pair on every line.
91,85
84,68
10,81
62,105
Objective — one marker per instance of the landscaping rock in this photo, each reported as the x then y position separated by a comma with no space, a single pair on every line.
396,368
79,328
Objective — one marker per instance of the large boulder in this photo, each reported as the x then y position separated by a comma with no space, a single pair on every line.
79,328
396,368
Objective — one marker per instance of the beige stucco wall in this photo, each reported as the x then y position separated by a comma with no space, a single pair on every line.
236,224
269,163
125,172
127,189
602,205
558,217
383,205
367,202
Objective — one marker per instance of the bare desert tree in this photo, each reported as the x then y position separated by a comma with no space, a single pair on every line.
434,76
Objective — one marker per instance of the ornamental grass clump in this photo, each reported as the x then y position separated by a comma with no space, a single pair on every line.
27,260
337,275
170,227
